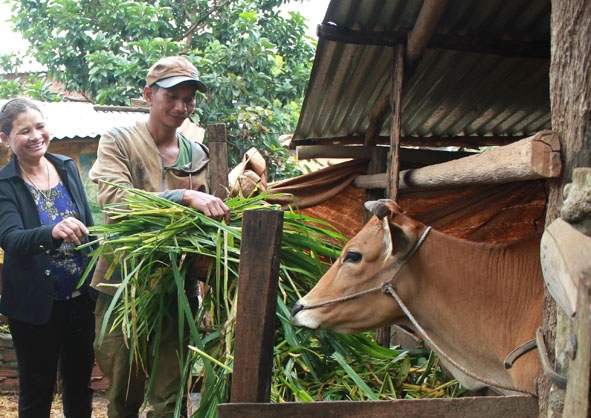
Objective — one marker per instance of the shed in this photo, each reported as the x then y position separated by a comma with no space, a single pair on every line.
475,74
405,84
402,85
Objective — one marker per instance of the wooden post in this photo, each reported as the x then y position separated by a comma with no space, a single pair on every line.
578,388
218,160
396,103
260,253
393,165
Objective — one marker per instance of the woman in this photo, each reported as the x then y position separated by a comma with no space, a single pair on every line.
44,215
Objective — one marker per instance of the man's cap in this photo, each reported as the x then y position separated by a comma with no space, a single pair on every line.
170,71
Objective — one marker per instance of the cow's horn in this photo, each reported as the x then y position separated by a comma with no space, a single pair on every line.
380,208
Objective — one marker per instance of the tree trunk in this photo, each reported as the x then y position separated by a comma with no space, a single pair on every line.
570,96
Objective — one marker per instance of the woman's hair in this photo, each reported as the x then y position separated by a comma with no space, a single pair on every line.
11,110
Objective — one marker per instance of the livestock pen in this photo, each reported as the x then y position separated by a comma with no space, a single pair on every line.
253,357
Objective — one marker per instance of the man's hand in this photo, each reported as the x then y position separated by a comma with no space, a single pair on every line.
210,205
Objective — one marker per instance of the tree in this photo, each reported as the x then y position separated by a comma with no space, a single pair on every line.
570,95
255,62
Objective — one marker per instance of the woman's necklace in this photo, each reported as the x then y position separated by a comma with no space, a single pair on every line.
46,196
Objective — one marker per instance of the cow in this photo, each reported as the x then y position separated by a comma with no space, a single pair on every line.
472,303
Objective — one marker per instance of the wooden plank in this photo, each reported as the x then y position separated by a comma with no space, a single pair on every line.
218,160
564,255
531,158
260,252
469,407
578,389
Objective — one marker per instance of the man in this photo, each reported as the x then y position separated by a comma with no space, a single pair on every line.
154,157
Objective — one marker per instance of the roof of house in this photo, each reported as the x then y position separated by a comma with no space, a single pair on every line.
482,77
80,120
75,120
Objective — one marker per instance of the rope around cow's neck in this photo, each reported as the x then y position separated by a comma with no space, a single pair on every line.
388,287
392,292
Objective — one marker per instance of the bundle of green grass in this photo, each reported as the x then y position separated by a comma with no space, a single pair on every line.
153,245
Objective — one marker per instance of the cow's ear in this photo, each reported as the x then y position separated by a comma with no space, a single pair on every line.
401,240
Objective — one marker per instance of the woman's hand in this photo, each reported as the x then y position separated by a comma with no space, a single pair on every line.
71,230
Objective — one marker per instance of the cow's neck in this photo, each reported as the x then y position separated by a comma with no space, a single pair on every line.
463,301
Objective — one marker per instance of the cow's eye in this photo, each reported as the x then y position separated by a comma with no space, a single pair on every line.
352,257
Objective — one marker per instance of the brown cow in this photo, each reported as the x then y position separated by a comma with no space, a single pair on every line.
473,303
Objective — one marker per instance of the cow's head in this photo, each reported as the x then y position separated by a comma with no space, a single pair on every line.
348,298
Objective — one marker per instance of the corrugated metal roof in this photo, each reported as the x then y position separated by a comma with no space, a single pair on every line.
74,120
484,73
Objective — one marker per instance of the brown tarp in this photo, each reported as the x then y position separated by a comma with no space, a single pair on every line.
492,213
317,187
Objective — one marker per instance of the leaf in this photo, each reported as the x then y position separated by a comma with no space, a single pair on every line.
358,381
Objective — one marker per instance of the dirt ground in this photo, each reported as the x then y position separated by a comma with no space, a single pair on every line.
9,406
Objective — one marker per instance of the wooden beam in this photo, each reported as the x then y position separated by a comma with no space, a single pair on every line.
470,142
258,282
532,158
333,33
310,152
508,48
425,26
378,114
411,156
485,406
218,160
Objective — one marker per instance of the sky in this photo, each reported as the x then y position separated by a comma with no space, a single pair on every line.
312,10
9,41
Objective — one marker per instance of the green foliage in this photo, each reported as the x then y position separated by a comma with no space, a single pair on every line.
11,88
10,63
34,86
39,88
255,62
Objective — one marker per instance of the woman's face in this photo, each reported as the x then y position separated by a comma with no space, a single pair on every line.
29,137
